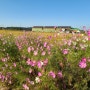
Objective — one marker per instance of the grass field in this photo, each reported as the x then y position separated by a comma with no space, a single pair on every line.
44,61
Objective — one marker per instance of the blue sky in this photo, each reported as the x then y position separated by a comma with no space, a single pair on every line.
75,13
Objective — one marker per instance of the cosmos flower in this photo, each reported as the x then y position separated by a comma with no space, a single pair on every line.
25,87
37,79
84,59
39,64
39,74
29,49
45,44
65,51
82,64
31,63
52,74
14,64
60,74
45,62
88,32
35,53
43,53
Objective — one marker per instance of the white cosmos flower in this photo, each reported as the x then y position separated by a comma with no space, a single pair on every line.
37,79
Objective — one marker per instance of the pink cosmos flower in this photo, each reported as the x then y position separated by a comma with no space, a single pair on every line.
69,42
84,59
50,37
10,82
65,51
82,64
45,44
35,53
28,61
32,48
25,87
29,49
2,78
30,70
88,32
39,64
41,48
32,63
60,74
19,47
45,62
39,74
28,80
52,74
4,59
14,64
32,82
43,53
48,47
55,35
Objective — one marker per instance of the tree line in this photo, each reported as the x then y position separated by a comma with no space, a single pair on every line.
16,28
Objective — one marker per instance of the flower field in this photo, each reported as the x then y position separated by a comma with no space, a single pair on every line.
44,61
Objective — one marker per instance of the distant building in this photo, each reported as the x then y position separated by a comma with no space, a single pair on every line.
51,28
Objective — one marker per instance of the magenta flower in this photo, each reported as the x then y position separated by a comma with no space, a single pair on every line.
82,64
65,51
52,74
88,32
84,59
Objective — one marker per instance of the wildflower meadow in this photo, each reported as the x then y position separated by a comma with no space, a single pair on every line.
44,61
